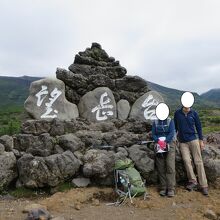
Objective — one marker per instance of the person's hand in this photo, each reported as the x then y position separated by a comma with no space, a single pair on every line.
202,145
162,144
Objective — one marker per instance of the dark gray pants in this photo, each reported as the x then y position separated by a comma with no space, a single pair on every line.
166,168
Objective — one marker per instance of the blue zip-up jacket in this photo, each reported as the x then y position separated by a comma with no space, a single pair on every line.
162,129
187,124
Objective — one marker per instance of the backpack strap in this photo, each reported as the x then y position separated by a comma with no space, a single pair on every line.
168,121
156,121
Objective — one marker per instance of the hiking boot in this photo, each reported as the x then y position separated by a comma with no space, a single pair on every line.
170,193
192,186
205,191
163,192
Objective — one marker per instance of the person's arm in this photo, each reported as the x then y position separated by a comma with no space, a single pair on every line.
199,130
198,126
171,134
175,121
154,136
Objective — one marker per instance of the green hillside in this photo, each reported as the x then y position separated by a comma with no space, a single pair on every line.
14,90
212,95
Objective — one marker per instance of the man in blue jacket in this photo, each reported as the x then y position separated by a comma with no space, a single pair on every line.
189,133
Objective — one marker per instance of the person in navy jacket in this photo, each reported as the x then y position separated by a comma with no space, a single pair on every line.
189,134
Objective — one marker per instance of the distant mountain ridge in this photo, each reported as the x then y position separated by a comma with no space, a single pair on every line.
212,95
172,97
15,90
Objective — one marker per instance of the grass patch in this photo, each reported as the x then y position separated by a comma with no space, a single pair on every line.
63,187
23,192
210,119
208,130
10,119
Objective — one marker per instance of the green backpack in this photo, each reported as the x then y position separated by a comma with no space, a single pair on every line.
128,180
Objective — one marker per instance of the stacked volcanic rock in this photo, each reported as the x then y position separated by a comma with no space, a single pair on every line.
8,169
51,152
47,153
94,68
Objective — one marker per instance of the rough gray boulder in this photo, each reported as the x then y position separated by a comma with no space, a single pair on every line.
144,107
2,149
47,171
81,182
47,101
181,176
70,142
38,213
213,138
211,158
123,109
55,127
100,80
42,145
134,125
140,155
120,138
72,80
98,105
8,170
98,163
104,126
132,84
7,141
36,127
90,138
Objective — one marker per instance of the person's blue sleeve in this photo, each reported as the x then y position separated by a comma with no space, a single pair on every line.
171,134
198,126
175,121
155,137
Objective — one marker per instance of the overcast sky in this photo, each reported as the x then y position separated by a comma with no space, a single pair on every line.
175,43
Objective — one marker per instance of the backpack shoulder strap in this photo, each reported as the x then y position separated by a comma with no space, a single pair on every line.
156,121
168,121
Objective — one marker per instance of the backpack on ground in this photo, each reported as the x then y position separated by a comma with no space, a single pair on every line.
128,181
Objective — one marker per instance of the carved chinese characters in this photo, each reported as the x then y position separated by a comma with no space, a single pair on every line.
144,107
149,106
41,95
98,105
103,108
47,101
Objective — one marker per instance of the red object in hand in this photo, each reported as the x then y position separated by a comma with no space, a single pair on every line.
162,144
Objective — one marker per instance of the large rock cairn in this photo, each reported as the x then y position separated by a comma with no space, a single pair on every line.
105,117
94,68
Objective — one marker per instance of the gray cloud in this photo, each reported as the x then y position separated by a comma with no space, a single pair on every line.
173,43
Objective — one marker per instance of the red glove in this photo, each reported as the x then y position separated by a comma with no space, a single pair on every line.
162,144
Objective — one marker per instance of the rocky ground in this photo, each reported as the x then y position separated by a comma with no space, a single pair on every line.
93,203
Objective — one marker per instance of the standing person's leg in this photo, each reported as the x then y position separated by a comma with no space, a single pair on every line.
197,157
170,169
160,163
186,155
